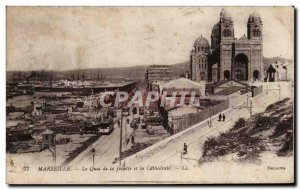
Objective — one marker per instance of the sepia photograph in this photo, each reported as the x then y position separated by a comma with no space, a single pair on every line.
150,95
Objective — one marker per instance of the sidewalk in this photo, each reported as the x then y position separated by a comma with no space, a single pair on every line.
170,148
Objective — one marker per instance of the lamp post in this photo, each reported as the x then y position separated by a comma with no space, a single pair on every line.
121,129
250,108
93,151
209,117
247,100
279,89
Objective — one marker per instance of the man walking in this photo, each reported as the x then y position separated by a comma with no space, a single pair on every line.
220,117
185,149
223,117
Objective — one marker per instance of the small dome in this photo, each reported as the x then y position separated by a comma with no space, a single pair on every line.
255,15
243,37
216,30
201,41
225,15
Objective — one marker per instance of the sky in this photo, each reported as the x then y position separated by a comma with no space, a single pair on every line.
63,38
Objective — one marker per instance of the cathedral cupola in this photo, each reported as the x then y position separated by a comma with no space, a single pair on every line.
201,45
225,16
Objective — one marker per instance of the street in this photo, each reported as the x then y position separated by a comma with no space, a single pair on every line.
171,154
107,147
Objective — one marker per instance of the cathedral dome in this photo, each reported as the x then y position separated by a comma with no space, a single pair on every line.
224,15
255,15
201,41
216,30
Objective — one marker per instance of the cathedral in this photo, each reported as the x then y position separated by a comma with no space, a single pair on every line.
228,57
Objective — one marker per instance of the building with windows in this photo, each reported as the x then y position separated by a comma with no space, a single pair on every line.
228,57
158,73
277,72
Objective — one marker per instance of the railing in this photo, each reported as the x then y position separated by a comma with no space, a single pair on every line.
179,123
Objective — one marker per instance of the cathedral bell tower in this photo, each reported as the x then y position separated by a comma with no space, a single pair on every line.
226,24
200,59
254,27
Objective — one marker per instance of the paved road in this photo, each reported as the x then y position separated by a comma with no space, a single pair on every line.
171,154
107,147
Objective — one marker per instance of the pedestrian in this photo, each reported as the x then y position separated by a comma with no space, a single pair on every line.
220,117
208,123
223,117
132,139
185,149
119,123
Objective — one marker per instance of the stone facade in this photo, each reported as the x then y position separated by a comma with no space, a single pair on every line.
228,57
159,73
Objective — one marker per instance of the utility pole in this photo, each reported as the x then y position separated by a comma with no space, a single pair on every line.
120,150
210,117
93,154
52,150
55,154
181,157
279,89
125,135
250,108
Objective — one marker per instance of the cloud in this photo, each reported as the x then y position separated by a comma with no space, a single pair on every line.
92,37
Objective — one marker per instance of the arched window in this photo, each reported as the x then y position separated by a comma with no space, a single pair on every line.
202,75
226,32
256,31
226,74
255,75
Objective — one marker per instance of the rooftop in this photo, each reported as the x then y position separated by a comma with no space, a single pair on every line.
181,83
48,132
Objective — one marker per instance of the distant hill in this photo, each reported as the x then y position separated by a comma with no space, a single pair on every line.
267,61
134,72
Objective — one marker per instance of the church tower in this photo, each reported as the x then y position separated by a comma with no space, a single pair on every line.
200,59
226,45
254,34
254,27
226,24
